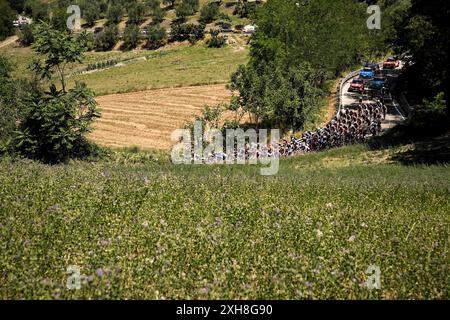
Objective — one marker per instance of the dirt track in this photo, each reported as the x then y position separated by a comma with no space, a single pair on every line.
147,118
9,41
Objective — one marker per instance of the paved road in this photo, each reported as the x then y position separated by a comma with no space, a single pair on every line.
8,41
394,114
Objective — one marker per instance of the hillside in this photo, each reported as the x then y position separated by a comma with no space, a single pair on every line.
161,231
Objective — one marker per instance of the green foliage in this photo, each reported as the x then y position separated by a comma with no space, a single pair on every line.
53,130
271,95
37,9
423,34
59,17
106,40
209,12
186,8
131,37
14,96
26,36
114,14
155,230
153,4
91,12
216,41
51,127
245,9
59,49
17,5
158,15
297,48
430,117
6,20
187,31
156,37
136,13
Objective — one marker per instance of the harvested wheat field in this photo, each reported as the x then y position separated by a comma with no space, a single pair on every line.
146,119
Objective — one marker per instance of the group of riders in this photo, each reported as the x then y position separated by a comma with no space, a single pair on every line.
348,126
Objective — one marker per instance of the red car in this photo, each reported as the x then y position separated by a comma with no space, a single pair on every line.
357,85
391,63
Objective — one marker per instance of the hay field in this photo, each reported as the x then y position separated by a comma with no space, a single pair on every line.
147,118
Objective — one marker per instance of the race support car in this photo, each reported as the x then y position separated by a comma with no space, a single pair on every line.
357,85
391,63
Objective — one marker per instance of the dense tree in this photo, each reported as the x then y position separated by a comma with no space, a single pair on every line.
186,31
26,36
424,36
131,37
158,15
53,126
38,10
17,5
91,12
15,95
60,50
136,13
107,39
297,48
114,14
156,37
216,41
209,13
6,19
153,4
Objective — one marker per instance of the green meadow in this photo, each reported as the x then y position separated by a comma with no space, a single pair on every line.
145,228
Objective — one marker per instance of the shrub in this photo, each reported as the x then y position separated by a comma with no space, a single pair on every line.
136,13
26,36
53,130
156,37
209,13
6,19
216,41
430,117
114,14
158,15
106,40
187,31
131,36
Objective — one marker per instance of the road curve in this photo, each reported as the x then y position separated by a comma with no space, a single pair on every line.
352,99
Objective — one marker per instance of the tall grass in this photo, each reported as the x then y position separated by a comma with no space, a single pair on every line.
157,230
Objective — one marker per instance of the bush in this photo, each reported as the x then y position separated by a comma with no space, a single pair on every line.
216,41
131,36
156,37
6,19
51,127
91,12
114,14
209,13
26,36
186,8
158,15
53,130
430,117
187,31
106,40
135,14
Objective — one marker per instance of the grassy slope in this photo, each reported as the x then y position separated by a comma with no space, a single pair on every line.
181,66
158,230
169,67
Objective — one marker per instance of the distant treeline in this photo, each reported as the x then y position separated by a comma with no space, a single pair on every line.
300,45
